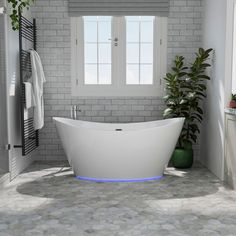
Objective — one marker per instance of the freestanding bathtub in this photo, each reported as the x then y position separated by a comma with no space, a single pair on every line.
105,152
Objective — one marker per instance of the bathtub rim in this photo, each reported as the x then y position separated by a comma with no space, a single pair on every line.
77,124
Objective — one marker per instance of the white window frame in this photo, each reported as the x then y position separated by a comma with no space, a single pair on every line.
118,86
234,50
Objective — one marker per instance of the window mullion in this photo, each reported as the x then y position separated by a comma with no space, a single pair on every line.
97,55
118,51
139,61
113,51
123,48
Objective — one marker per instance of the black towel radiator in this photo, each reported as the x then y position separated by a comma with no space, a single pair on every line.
27,35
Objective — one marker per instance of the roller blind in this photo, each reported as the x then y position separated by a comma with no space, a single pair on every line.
118,7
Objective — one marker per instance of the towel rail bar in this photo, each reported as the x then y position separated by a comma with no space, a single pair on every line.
29,136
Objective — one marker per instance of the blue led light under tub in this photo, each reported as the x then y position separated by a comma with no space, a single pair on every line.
119,180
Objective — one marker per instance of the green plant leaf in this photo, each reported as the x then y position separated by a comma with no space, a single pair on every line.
183,101
208,50
204,65
204,77
17,8
200,110
167,112
233,97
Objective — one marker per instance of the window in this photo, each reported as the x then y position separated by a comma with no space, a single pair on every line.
97,50
118,56
139,49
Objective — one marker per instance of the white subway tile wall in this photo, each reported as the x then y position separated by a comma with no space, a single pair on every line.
53,23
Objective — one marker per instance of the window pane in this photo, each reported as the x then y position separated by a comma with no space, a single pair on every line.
104,74
147,18
104,53
104,18
146,55
104,31
90,74
132,74
90,18
146,32
132,18
90,53
146,74
90,31
97,49
132,53
139,49
132,31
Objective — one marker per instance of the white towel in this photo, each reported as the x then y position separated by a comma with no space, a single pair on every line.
38,79
29,95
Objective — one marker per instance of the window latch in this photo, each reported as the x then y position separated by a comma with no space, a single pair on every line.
115,41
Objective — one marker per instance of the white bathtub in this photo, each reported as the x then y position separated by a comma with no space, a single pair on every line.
118,152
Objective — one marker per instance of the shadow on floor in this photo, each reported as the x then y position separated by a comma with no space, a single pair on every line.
60,183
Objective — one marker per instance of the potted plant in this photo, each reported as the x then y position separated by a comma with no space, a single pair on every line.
185,91
232,103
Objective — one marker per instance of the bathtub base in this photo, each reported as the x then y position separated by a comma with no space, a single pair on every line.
119,180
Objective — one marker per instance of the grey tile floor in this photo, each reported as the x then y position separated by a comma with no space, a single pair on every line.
47,200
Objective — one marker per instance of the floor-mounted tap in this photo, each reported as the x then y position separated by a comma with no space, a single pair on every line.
74,109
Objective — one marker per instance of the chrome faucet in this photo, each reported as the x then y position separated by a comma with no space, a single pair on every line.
73,110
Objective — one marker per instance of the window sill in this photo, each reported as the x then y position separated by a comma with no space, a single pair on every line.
111,91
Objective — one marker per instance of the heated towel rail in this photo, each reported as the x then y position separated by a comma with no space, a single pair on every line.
27,40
